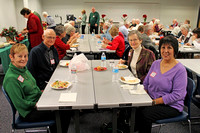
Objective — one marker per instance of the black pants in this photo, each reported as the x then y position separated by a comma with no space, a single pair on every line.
36,115
145,116
83,29
92,28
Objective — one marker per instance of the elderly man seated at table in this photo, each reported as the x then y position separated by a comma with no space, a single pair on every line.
146,40
117,42
139,58
124,30
174,24
70,34
106,28
133,24
138,23
156,26
111,22
43,59
186,35
59,44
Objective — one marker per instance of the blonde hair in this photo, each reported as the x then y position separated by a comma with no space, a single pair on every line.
83,11
16,48
114,30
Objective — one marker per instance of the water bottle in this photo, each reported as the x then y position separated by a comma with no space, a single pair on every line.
182,44
103,60
92,33
73,73
115,72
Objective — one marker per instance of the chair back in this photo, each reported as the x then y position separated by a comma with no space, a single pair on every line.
189,73
197,91
188,97
153,49
12,106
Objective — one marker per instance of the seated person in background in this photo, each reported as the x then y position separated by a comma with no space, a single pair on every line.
156,26
196,38
177,31
152,21
72,23
146,40
138,23
141,29
43,59
106,28
117,42
186,35
174,24
111,22
50,21
187,21
166,84
139,58
24,93
70,34
59,44
124,30
133,24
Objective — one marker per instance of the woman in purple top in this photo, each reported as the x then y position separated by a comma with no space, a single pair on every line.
166,84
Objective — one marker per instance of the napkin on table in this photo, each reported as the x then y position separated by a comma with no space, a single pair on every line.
67,97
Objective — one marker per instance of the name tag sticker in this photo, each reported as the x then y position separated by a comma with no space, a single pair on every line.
20,78
153,74
52,61
93,16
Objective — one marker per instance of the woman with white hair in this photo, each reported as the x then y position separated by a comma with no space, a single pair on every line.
50,21
156,25
106,28
70,34
186,35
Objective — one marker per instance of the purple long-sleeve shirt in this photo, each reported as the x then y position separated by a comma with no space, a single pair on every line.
171,85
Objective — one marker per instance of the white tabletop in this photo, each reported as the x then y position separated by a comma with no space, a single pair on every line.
192,64
188,50
84,89
110,94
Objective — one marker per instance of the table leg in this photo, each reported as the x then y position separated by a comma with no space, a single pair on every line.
114,121
132,120
77,121
58,122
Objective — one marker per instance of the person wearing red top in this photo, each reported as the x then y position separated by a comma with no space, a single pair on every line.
117,43
34,28
59,44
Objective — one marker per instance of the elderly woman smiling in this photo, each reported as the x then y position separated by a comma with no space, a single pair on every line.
186,35
166,84
139,58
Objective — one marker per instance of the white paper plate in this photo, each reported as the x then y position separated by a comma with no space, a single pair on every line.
63,63
130,80
122,66
61,88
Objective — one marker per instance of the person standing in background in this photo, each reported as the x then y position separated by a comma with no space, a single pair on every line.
83,22
94,21
50,21
34,28
37,14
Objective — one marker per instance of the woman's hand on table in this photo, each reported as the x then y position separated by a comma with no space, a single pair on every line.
188,44
98,36
121,61
104,45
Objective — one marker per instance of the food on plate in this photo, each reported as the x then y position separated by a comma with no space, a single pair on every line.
74,45
130,80
64,63
2,46
99,68
122,78
122,66
67,63
133,80
60,84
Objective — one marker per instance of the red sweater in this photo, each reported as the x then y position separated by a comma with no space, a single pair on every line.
61,47
117,44
35,30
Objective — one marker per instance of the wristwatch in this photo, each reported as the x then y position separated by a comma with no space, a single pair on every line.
154,102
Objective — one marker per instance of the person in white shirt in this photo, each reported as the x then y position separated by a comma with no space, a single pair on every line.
196,38
186,35
124,30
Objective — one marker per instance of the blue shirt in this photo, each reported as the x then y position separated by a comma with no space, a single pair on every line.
124,31
107,35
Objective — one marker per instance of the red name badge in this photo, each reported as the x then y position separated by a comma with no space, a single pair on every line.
52,61
20,78
153,74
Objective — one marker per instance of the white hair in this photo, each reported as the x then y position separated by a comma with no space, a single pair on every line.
157,21
45,13
137,20
107,24
185,26
66,25
110,21
147,27
126,22
69,29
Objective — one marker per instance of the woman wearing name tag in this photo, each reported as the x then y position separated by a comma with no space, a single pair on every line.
139,58
166,84
23,91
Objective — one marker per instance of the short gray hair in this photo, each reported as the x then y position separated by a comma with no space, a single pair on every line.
185,26
126,22
59,30
135,32
107,24
45,13
69,29
147,27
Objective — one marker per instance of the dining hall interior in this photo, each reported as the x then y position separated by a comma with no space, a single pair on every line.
105,91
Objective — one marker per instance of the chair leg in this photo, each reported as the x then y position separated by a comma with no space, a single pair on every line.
48,129
13,130
189,122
